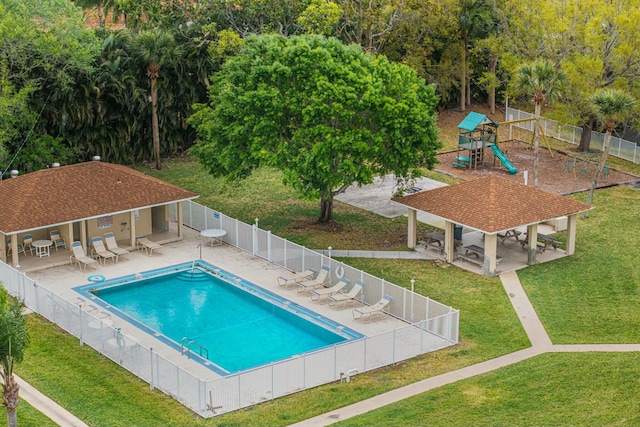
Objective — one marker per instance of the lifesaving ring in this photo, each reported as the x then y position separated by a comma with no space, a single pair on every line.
96,278
339,272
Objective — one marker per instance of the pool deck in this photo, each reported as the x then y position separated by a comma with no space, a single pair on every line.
62,279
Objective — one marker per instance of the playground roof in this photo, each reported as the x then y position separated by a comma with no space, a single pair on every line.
492,204
473,120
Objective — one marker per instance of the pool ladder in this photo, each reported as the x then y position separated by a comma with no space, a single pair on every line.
186,343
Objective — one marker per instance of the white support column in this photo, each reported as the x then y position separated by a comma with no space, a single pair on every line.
449,245
132,229
14,251
180,221
571,234
83,234
413,228
70,237
490,251
532,241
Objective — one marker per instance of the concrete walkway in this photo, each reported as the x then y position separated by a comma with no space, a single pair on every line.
540,343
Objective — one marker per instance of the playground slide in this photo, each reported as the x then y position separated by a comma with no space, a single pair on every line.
505,162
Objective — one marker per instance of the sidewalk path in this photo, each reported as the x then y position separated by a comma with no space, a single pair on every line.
540,343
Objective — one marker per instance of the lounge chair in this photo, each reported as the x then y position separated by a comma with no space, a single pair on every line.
317,282
316,294
147,245
98,249
112,246
348,297
78,256
26,243
57,239
297,277
371,310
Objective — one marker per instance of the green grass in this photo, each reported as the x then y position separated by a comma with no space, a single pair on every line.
594,296
585,389
28,416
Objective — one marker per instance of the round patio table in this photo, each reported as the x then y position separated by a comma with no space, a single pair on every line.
42,247
215,235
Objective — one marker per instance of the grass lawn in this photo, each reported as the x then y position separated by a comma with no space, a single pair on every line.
590,297
553,389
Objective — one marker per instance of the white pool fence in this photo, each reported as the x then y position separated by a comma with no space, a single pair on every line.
431,326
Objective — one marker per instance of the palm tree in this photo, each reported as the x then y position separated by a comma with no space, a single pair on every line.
611,106
542,81
156,48
13,342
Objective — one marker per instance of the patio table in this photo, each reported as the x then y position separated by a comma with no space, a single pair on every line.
42,247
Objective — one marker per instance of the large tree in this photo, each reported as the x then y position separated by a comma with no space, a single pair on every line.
544,83
14,339
611,107
326,114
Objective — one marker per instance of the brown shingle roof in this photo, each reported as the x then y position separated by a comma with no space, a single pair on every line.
75,192
492,204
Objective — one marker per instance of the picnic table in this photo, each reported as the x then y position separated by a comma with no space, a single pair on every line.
543,242
510,233
434,240
475,254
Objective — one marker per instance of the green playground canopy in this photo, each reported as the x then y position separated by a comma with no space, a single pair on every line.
473,120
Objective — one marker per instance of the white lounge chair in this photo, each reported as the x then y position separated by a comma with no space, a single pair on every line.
147,245
78,256
371,310
112,246
316,294
348,297
98,249
297,277
57,239
317,282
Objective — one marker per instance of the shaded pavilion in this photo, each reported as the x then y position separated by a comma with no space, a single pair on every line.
87,199
492,205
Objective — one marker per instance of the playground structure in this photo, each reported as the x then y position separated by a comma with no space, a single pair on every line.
477,133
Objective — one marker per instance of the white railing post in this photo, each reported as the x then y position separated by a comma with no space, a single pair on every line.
269,258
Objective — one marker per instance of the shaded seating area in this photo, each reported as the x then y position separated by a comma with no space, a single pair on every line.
142,243
372,310
79,257
296,278
112,246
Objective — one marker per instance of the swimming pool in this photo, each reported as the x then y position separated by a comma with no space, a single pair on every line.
238,324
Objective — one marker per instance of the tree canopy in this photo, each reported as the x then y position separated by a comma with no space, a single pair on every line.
326,114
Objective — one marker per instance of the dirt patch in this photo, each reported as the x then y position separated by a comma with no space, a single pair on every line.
554,170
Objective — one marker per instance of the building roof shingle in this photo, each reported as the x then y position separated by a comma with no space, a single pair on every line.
80,191
492,204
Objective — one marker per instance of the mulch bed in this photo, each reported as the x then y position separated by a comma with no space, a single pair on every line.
551,169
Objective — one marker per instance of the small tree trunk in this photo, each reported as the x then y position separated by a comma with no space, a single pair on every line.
585,138
493,63
100,15
154,123
603,161
468,78
536,144
463,74
326,210
10,393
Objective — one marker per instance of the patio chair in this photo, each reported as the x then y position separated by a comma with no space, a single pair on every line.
142,243
57,239
296,278
316,294
317,282
78,256
98,249
20,248
26,243
371,310
112,246
348,297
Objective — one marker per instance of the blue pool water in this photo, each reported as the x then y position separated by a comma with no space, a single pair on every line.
240,324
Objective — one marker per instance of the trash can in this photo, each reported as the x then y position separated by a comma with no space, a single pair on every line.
457,232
